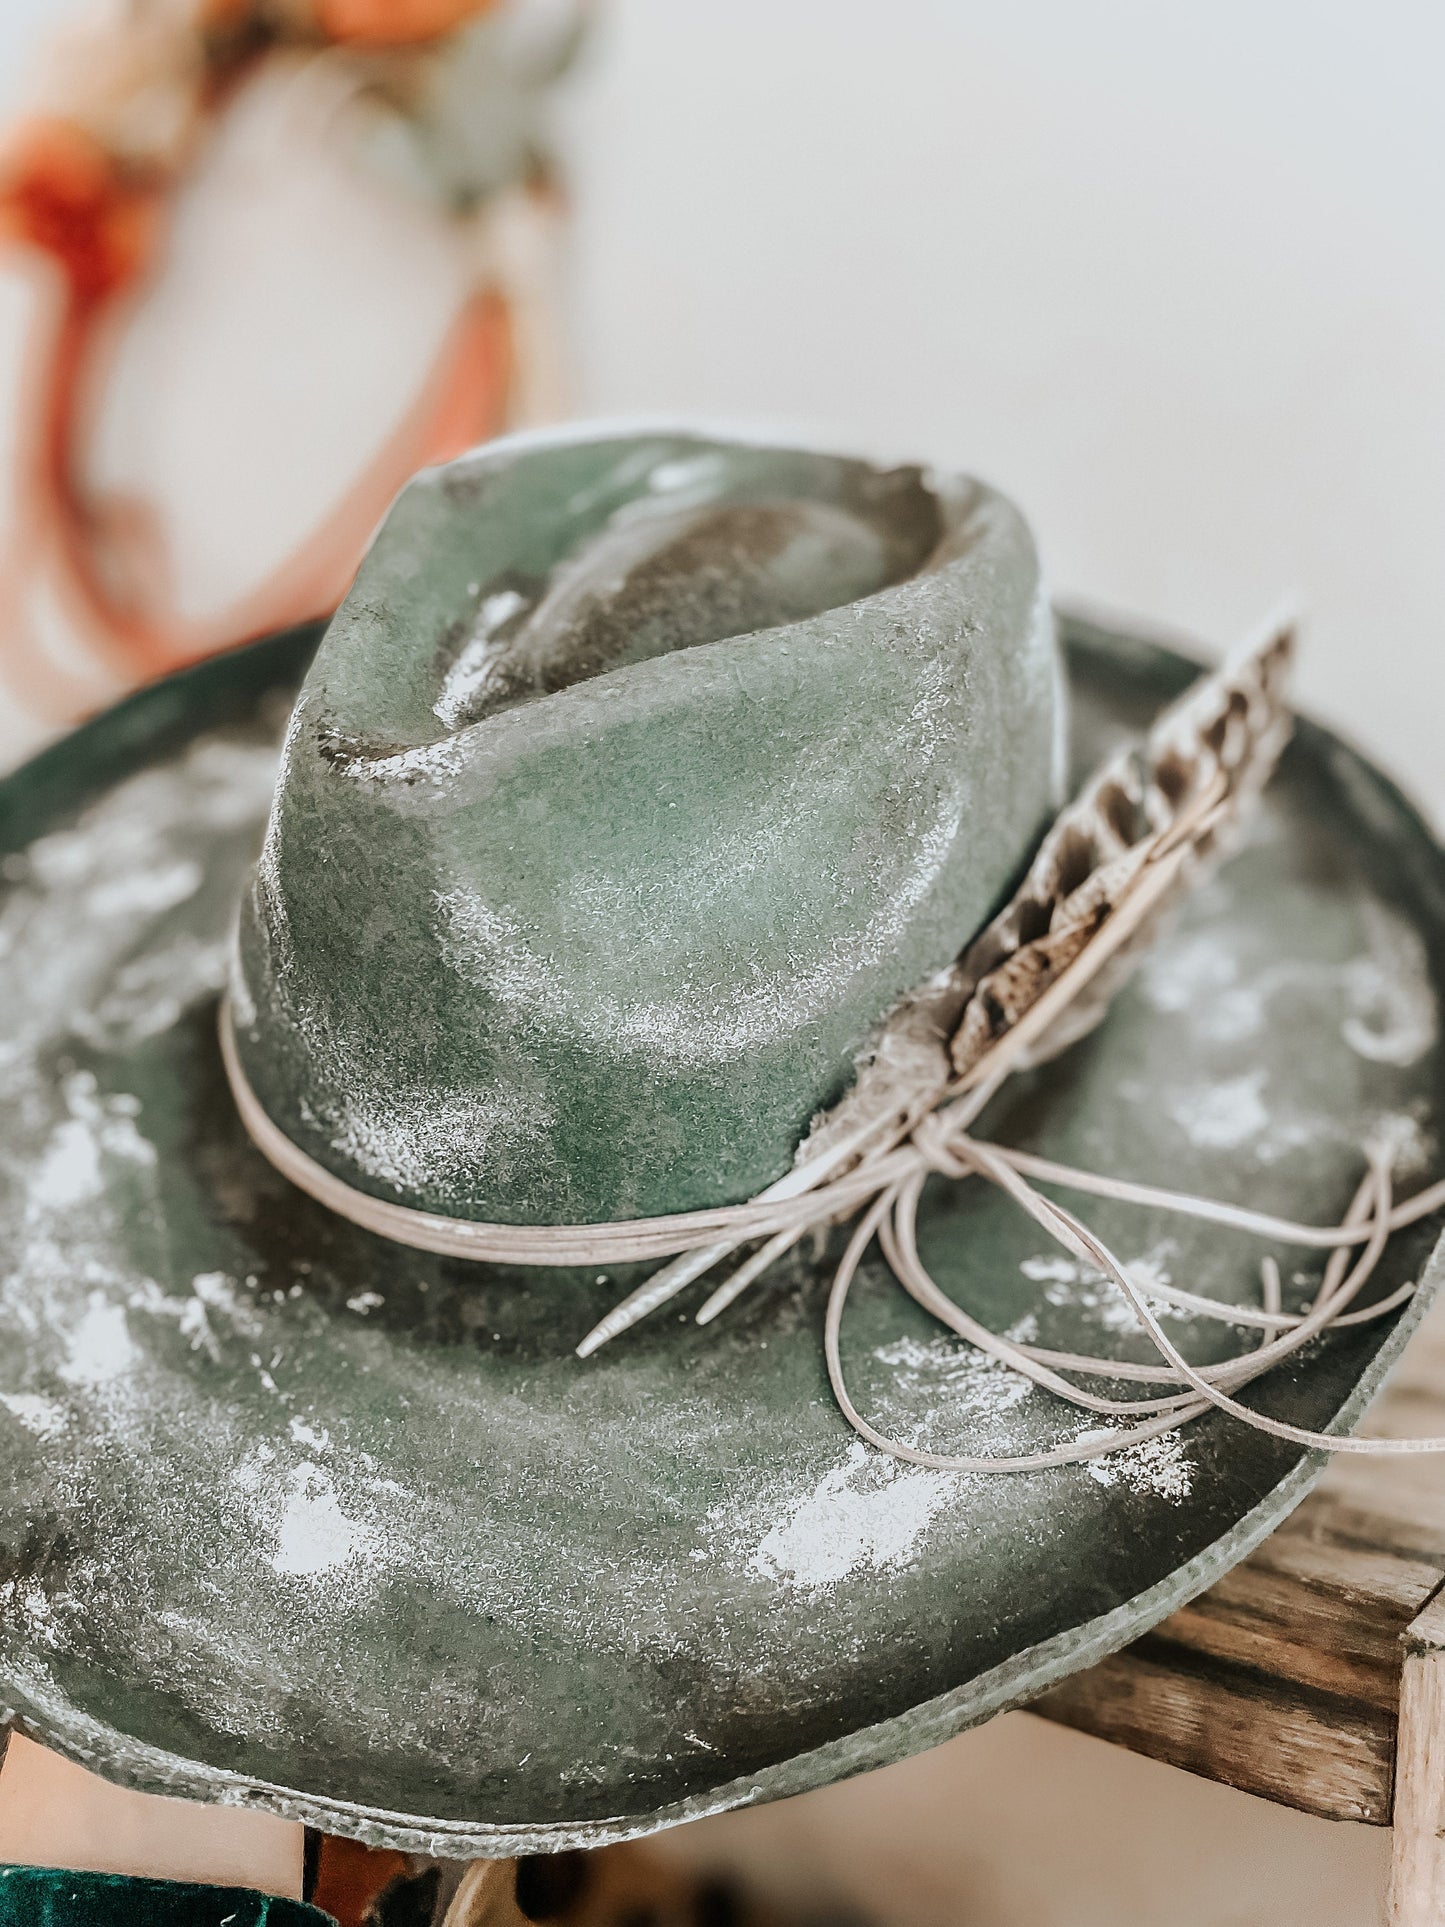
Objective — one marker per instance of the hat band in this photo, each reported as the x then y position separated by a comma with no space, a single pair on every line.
618,1242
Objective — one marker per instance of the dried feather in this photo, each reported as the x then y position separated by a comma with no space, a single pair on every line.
1203,761
1189,782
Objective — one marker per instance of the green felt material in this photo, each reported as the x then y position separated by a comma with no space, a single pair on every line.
54,1897
348,1532
635,780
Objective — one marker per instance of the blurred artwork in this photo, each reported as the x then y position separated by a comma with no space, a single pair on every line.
259,260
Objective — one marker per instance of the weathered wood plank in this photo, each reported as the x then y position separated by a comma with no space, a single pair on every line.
1322,1616
1300,1748
1417,1861
1406,1522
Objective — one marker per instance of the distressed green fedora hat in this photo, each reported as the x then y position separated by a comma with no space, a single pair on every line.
641,775
625,793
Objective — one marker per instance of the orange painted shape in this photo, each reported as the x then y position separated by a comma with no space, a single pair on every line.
61,191
393,23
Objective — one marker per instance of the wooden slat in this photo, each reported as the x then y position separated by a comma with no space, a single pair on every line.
1285,1678
1324,1755
1417,1861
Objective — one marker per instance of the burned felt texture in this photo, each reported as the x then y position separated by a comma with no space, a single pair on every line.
295,1517
634,781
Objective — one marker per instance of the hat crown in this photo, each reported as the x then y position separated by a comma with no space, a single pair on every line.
635,780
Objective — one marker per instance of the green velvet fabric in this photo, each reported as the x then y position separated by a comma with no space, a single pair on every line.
636,779
56,1897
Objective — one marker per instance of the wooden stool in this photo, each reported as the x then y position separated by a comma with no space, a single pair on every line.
1314,1673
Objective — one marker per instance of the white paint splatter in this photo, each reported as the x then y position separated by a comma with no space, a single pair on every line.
1158,1466
1393,1019
100,1347
32,1604
252,1473
146,892
1411,1148
42,1416
956,1380
1224,1115
149,992
1386,1000
69,1171
1181,975
1070,1283
222,1295
869,1513
314,1534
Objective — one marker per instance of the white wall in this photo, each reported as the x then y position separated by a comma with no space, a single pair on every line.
1174,275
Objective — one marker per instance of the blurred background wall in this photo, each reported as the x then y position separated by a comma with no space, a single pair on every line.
1174,276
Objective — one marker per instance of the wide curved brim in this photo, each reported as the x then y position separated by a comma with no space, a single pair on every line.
303,1520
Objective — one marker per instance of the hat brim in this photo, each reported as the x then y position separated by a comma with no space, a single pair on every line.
299,1519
